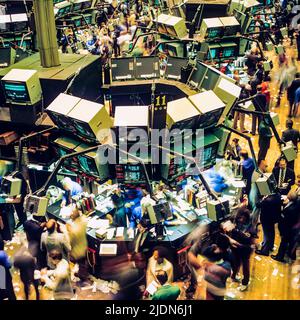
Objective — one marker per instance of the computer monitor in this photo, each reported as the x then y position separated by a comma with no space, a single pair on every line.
213,53
87,4
208,154
214,33
174,66
87,19
77,6
147,68
160,212
122,69
197,75
22,86
210,79
90,163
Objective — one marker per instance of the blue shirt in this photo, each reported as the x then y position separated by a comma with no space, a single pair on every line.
74,191
4,260
136,215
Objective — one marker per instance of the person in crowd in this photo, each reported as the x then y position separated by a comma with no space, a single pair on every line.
291,90
248,166
234,151
254,193
270,210
265,89
166,291
120,211
26,263
260,103
240,116
142,238
291,134
251,61
264,139
216,273
52,239
59,279
78,241
221,244
243,233
284,176
7,221
71,188
34,227
158,262
296,103
6,285
298,185
289,218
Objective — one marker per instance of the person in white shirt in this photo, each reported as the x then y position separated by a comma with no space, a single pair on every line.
156,263
59,279
52,239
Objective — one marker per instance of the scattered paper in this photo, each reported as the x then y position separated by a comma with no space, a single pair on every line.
275,272
258,258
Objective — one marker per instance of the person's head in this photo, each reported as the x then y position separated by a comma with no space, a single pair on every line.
55,256
282,163
162,277
235,141
51,225
298,180
243,216
262,165
244,154
212,253
142,226
159,254
297,75
222,243
289,123
259,88
292,196
40,219
66,183
75,214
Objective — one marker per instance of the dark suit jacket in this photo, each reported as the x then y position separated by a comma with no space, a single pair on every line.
292,89
291,135
33,230
289,178
270,209
289,218
260,102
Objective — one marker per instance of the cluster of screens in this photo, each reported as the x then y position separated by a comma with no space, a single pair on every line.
74,7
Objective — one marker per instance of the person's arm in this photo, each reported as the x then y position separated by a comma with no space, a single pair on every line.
193,260
293,178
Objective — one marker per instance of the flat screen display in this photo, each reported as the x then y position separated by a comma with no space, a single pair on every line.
88,165
77,6
16,91
228,52
197,75
208,156
86,4
213,54
214,32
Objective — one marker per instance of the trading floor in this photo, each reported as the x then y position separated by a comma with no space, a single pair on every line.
149,150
